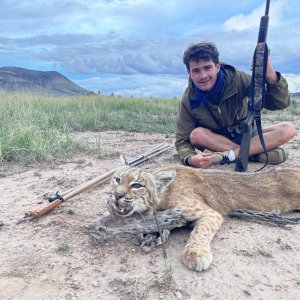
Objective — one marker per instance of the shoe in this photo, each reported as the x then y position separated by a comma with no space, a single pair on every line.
221,158
276,156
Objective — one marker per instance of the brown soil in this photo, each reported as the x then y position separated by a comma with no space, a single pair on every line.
55,257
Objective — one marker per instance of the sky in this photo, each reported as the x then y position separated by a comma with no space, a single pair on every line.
134,47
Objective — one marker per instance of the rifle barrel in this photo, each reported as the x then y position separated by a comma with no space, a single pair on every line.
267,8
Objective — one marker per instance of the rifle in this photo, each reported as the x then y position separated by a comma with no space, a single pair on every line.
256,95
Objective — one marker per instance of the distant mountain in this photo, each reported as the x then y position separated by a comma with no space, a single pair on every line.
49,83
295,95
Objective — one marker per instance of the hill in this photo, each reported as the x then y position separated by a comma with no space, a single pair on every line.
50,83
295,95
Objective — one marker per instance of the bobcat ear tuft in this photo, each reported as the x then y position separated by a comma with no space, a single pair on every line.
122,161
163,179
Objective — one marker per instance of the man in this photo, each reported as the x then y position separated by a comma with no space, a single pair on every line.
213,105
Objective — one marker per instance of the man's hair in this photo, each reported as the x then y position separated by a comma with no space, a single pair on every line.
203,50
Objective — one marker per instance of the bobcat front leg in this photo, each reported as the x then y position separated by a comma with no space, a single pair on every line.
197,255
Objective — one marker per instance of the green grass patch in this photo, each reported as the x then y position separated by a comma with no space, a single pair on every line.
63,246
288,114
40,128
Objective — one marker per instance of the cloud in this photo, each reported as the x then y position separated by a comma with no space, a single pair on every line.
293,81
139,85
244,22
118,56
141,38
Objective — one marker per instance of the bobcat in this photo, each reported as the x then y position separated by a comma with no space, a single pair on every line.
203,196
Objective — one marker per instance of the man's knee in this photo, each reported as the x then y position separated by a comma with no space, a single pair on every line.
199,136
288,131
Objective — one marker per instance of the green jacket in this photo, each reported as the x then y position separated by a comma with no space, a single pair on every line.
228,111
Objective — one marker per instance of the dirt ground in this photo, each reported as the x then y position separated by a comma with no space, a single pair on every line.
55,256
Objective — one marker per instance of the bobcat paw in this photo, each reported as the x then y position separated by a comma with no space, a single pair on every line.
197,259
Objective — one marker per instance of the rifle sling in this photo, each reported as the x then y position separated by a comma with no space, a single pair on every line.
261,137
258,97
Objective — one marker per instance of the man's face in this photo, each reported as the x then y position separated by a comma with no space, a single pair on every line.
204,74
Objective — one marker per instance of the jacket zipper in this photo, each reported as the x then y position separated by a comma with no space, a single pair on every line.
219,108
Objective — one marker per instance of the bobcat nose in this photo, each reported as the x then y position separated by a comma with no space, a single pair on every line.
119,195
120,199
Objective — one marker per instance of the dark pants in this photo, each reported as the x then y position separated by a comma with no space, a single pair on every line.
236,135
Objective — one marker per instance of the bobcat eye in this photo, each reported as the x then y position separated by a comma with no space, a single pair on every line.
118,179
136,185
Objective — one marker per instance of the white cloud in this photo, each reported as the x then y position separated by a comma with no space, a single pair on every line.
157,86
243,22
293,81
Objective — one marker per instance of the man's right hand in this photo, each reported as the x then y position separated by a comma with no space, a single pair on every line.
201,160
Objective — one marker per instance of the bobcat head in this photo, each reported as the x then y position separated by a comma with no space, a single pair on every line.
135,190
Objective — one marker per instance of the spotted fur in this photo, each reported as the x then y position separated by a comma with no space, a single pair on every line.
204,196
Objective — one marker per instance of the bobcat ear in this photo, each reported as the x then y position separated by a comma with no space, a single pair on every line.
163,179
122,161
